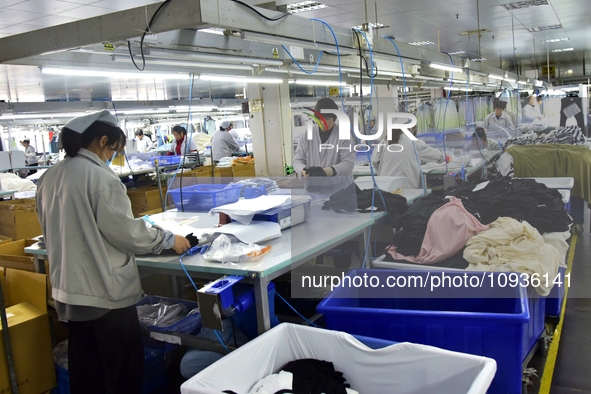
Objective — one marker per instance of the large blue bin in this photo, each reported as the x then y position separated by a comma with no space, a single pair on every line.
556,296
202,198
500,323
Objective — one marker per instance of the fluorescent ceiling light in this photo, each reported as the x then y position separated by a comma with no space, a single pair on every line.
494,76
304,6
478,59
393,74
234,108
543,28
510,80
213,30
446,68
457,52
420,43
563,50
439,79
522,82
374,26
570,89
450,88
110,74
225,78
555,40
476,83
466,89
518,5
39,116
143,111
312,82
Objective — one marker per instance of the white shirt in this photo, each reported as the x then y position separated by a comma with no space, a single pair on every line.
504,121
192,146
31,155
143,145
404,163
530,113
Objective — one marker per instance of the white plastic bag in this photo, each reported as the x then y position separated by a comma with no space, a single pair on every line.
226,251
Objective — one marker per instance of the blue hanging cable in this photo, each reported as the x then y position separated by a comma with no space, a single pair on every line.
445,113
298,64
422,176
217,334
336,41
293,309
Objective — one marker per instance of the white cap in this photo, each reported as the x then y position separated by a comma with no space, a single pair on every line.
80,124
225,124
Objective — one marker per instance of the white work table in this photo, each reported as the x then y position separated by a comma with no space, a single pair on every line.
323,231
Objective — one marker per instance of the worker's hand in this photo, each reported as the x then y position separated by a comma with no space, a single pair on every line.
448,159
305,172
316,171
181,244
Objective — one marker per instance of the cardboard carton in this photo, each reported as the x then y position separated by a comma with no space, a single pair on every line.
28,326
145,199
18,219
12,255
244,171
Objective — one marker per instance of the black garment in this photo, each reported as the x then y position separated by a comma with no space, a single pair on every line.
31,172
106,355
325,135
353,198
455,261
567,102
316,377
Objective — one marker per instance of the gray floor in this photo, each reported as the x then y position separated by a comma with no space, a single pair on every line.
572,373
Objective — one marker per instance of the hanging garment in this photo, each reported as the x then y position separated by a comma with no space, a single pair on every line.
511,246
571,107
456,223
446,115
425,119
462,113
563,135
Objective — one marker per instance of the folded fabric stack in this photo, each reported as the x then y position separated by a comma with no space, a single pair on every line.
563,135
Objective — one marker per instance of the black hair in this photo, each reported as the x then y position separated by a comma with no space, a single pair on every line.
500,104
396,134
179,129
480,133
139,132
326,103
72,141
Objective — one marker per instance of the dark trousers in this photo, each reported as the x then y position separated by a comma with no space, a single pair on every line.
106,355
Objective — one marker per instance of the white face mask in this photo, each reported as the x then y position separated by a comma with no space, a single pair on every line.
109,161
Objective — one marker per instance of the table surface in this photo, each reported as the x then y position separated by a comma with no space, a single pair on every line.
128,172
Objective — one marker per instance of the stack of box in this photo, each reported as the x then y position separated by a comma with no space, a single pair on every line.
18,219
145,200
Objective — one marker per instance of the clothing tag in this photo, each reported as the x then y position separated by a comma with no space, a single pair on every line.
572,110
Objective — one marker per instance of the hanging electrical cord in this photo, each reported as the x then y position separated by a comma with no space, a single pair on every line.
336,41
188,141
217,334
146,31
421,175
261,14
293,309
445,113
298,64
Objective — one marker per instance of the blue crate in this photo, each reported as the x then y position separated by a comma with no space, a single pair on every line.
166,160
155,373
254,192
504,326
202,198
556,296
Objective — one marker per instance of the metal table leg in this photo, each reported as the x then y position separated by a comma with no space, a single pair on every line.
261,298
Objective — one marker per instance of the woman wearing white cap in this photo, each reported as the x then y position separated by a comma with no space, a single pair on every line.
91,239
223,143
531,110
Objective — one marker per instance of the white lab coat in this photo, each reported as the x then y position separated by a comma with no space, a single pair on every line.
192,146
341,158
31,155
404,163
143,145
530,113
503,122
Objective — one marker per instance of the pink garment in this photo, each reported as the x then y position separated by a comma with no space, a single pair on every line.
448,230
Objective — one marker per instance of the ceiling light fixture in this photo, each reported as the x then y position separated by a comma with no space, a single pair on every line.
110,74
419,43
39,116
374,26
466,90
518,5
237,79
457,52
522,82
543,28
512,80
304,6
446,68
494,76
555,40
312,82
450,88
563,50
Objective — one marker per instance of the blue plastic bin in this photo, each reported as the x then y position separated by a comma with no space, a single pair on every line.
254,192
504,326
166,160
556,296
202,198
155,373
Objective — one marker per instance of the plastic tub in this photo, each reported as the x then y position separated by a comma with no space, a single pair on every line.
556,296
504,326
202,198
254,192
166,160
401,368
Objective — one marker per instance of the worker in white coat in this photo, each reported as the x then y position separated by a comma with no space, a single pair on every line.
143,143
397,158
480,141
323,160
223,143
498,119
531,111
30,155
179,144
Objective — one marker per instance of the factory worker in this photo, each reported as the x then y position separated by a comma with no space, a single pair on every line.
223,143
91,239
30,155
179,143
480,141
397,158
323,160
143,143
531,111
498,119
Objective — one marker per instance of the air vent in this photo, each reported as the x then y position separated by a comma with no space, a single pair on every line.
420,43
304,6
555,40
543,28
563,50
518,5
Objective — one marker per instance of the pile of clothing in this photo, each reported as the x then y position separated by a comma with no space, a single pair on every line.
304,376
353,199
563,135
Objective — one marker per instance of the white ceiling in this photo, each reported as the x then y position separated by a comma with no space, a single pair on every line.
408,20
